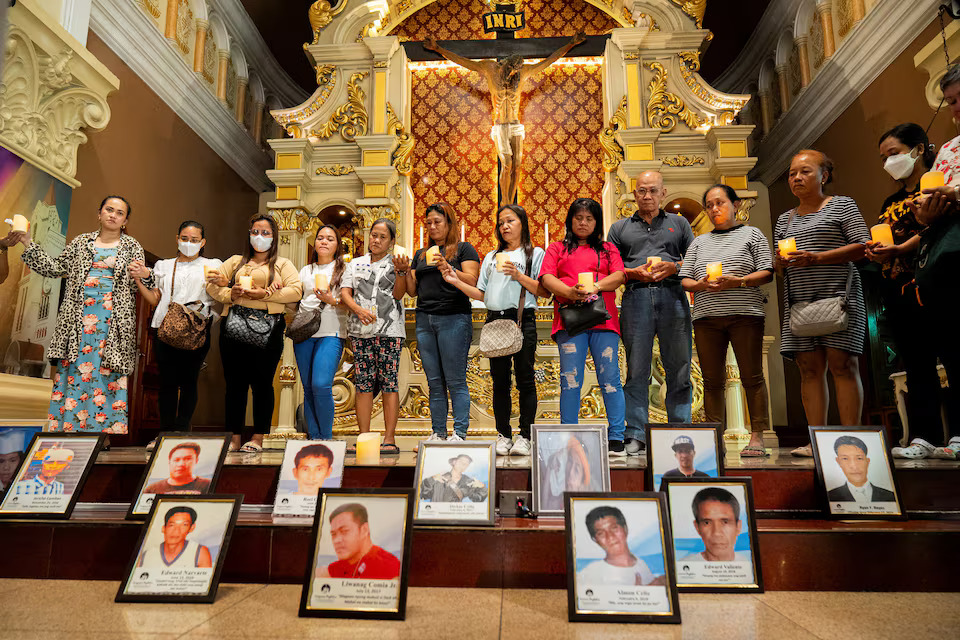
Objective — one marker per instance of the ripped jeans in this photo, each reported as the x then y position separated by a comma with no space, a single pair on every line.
603,346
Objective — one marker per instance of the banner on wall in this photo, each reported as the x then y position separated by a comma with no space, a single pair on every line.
28,301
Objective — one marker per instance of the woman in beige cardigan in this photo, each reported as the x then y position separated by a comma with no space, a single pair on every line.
255,289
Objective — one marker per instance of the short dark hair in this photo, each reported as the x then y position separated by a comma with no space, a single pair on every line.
604,512
313,451
952,76
174,511
849,440
185,445
357,510
730,192
912,135
717,494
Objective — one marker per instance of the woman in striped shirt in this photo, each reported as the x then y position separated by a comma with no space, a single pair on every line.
830,236
728,309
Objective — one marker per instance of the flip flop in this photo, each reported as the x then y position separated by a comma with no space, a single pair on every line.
251,447
389,449
753,451
806,451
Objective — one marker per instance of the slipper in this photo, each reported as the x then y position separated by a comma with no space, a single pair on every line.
389,449
753,451
351,450
152,445
233,448
806,451
251,447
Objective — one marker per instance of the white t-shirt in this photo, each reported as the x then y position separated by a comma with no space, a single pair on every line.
372,285
602,572
333,322
153,556
190,286
499,291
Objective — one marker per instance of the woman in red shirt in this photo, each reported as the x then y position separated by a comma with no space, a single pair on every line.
584,251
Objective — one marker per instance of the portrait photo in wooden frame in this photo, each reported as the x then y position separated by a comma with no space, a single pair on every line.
714,528
566,457
360,554
455,483
179,556
677,449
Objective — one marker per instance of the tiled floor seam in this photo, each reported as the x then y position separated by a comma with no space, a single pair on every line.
791,619
192,629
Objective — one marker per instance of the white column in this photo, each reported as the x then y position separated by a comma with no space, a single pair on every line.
75,18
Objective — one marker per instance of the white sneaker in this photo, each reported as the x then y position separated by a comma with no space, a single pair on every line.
634,447
455,438
503,445
918,449
521,447
435,437
949,452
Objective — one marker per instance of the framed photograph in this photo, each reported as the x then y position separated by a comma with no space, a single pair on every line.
677,450
51,473
308,466
567,457
361,554
180,464
714,534
14,439
455,483
855,473
182,546
620,558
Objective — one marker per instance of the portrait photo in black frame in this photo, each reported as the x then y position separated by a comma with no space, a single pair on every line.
635,525
566,457
197,530
855,475
359,554
714,528
672,445
51,475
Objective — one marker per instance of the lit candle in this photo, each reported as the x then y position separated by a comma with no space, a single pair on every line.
368,448
652,260
786,246
347,257
931,180
206,271
20,223
586,279
321,282
421,237
546,234
400,251
433,254
882,233
501,259
463,234
714,270
245,282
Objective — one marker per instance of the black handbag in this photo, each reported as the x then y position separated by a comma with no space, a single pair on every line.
250,326
578,317
304,325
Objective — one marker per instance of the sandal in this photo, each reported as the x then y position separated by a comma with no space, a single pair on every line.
806,451
152,445
753,451
251,447
389,449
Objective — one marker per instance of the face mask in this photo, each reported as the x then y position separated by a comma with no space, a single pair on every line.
261,243
900,166
188,249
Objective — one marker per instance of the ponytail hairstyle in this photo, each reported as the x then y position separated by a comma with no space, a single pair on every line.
525,241
121,199
912,135
595,239
195,225
338,264
272,252
453,229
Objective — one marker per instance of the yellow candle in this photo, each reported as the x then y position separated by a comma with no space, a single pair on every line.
20,223
400,251
321,282
882,233
652,260
931,180
368,448
206,271
501,260
433,254
714,270
586,279
245,282
786,246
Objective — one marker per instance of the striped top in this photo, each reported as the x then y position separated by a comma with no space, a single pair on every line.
35,486
741,250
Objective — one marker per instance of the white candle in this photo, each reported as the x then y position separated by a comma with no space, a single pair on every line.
463,236
421,237
245,282
368,448
399,251
433,254
321,282
586,279
546,234
20,223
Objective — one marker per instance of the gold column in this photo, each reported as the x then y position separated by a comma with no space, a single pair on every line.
784,84
803,54
200,45
766,112
858,10
257,121
222,75
241,98
826,24
170,31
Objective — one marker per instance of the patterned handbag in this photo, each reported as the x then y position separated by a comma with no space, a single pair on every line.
183,327
250,326
503,337
304,324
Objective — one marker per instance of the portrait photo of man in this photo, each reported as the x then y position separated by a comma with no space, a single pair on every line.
685,453
716,518
357,556
12,447
182,479
852,458
56,460
176,550
607,527
454,485
311,467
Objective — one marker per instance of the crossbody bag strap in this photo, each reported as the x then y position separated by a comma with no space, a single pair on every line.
173,279
523,292
786,270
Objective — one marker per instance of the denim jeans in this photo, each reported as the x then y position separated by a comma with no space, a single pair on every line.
664,312
604,346
444,344
317,360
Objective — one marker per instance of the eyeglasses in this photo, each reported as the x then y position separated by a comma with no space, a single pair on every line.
258,232
640,191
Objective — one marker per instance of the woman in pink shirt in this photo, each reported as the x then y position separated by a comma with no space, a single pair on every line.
583,250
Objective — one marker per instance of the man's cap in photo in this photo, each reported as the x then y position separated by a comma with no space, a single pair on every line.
682,441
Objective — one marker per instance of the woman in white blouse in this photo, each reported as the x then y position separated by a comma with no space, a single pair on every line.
181,279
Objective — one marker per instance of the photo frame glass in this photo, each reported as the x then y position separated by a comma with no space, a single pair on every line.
308,466
14,440
683,450
567,458
455,483
51,474
181,464
714,534
855,472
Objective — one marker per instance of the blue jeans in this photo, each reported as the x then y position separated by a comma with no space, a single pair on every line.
604,346
317,360
444,344
664,312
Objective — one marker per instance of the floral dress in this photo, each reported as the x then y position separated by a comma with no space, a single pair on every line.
86,395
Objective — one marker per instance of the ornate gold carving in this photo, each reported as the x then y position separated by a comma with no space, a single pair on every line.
296,219
690,65
150,7
185,26
726,117
369,215
666,109
631,55
683,161
349,119
288,374
381,64
743,211
335,170
403,156
643,20
693,8
209,58
326,77
612,151
415,362
285,435
365,31
320,15
591,405
416,404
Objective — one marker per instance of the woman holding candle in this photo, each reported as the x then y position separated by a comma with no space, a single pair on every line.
581,266
830,236
507,272
95,340
729,309
444,323
372,291
261,283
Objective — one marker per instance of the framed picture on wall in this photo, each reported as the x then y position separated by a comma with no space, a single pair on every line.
676,450
455,483
567,457
308,466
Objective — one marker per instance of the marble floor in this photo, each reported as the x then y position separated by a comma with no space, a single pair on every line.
74,610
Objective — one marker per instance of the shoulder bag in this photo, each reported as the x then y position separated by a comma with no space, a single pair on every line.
503,337
578,317
304,324
183,327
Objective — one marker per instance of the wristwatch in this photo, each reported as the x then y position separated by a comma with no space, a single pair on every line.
743,282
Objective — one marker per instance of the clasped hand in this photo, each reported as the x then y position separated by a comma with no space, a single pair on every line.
652,273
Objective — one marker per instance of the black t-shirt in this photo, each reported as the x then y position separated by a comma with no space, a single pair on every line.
896,212
434,294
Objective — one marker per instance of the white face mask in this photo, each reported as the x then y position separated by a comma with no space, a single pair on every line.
261,243
188,249
900,166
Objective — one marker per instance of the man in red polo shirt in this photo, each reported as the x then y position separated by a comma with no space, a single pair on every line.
357,556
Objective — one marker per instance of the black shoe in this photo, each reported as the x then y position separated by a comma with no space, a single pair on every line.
615,449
